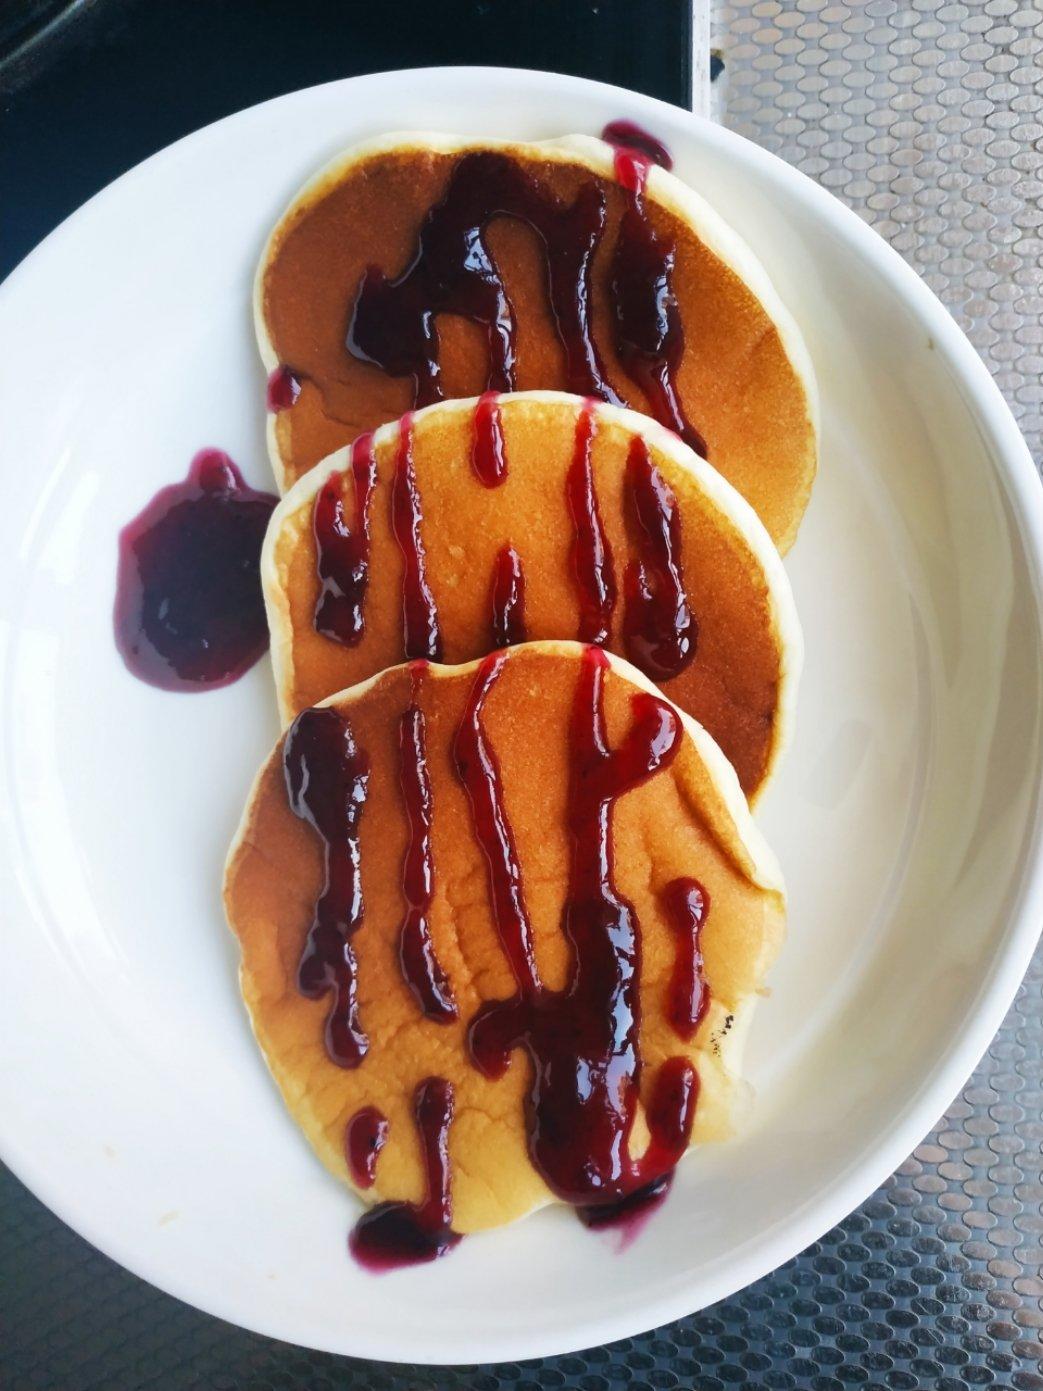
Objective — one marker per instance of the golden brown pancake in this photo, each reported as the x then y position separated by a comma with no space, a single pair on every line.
743,383
737,664
685,822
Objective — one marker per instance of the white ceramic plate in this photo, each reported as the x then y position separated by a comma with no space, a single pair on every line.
907,816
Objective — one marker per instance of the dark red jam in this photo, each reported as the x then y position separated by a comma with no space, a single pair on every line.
634,139
189,612
489,453
397,1234
659,630
591,552
687,904
364,1138
582,1041
342,552
283,389
422,636
420,966
393,322
327,778
508,599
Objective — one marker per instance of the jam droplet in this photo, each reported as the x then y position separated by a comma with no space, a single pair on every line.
284,387
364,1137
189,611
591,552
420,966
634,139
397,1234
508,599
327,779
394,322
687,905
421,635
342,553
659,630
582,1041
489,451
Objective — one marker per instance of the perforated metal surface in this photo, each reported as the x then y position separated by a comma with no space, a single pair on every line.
926,118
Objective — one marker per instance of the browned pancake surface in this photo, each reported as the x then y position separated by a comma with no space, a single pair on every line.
677,824
738,383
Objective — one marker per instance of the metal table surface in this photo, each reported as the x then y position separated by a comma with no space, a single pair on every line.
927,118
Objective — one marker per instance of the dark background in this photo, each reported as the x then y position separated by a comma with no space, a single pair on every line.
93,88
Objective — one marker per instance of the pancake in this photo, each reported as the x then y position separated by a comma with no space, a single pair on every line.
604,277
714,624
674,918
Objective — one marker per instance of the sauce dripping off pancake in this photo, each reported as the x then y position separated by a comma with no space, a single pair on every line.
422,636
327,779
489,452
582,1042
283,389
342,554
420,966
591,552
648,333
396,1234
687,904
364,1137
189,613
508,598
659,629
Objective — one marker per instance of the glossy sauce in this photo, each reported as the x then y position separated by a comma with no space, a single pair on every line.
283,389
489,451
687,905
342,552
590,551
582,1042
327,778
397,1234
364,1137
659,631
394,322
421,634
508,599
647,330
416,953
189,612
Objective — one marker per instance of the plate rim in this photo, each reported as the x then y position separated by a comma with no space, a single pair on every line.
1014,470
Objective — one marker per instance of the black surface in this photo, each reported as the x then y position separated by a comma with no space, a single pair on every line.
119,79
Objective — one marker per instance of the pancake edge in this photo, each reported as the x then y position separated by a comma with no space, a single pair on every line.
664,187
727,500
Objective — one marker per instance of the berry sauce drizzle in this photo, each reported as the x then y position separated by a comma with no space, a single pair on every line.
479,771
342,553
327,778
284,387
416,953
364,1137
393,322
591,552
626,135
422,636
687,905
582,1041
508,599
489,452
397,1234
189,612
649,336
659,630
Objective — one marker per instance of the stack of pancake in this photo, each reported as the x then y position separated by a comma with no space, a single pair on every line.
542,427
